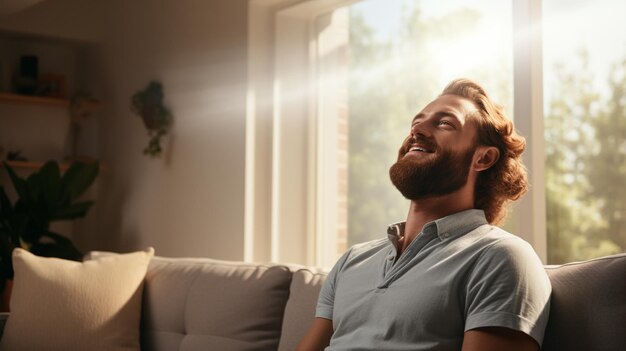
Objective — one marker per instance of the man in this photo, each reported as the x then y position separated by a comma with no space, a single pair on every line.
447,278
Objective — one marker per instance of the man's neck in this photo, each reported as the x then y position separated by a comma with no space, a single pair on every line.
426,210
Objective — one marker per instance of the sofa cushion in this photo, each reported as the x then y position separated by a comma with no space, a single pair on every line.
300,311
204,304
588,307
66,305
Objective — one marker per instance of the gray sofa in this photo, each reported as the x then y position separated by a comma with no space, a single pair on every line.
203,304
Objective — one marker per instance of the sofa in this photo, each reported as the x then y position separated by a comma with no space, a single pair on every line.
204,304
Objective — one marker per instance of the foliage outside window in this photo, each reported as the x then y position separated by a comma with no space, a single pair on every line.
585,128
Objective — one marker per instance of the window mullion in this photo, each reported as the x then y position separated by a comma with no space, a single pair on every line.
529,216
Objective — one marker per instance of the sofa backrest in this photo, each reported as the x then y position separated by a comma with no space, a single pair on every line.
204,304
587,310
300,310
588,305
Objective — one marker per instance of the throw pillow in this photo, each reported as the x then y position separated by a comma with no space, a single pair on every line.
66,305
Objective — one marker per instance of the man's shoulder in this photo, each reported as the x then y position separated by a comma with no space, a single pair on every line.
361,252
369,246
491,235
489,242
365,250
495,245
503,239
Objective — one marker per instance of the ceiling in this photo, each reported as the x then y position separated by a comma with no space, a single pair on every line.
9,7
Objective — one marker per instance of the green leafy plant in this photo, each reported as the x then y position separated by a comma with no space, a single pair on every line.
43,197
148,104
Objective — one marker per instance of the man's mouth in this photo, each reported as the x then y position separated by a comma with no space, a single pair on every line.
417,147
420,149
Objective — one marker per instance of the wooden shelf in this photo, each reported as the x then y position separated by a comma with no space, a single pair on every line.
35,165
40,100
32,165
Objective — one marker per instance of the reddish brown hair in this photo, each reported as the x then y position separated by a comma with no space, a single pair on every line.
506,180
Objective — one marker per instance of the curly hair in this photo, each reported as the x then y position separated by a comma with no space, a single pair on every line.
506,180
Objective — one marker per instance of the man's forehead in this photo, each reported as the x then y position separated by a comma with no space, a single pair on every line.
452,104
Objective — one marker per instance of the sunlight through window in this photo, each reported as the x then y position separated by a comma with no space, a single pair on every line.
401,55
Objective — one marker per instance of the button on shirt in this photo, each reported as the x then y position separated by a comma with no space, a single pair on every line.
458,274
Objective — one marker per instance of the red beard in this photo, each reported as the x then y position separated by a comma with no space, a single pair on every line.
418,178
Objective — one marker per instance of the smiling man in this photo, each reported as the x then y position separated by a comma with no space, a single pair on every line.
447,278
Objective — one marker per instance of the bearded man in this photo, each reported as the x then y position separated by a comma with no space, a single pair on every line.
447,278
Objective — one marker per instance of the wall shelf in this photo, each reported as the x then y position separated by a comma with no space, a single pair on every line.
41,100
31,165
35,165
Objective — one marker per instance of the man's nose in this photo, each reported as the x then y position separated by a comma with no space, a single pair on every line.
420,129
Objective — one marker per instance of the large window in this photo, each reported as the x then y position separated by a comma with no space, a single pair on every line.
584,66
335,83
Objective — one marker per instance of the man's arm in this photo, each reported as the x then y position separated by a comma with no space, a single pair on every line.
497,339
318,337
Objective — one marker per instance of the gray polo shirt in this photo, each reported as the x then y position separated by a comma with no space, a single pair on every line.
459,273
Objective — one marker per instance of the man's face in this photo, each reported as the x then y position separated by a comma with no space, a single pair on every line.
435,158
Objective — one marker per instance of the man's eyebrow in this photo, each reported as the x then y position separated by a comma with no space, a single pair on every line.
417,116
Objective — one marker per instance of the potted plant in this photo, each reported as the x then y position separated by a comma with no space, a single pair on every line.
43,197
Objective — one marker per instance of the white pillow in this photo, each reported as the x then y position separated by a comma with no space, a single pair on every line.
65,305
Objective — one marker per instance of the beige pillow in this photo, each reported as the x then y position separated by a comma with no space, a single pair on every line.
66,305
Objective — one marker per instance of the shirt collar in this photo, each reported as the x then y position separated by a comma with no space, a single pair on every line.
445,228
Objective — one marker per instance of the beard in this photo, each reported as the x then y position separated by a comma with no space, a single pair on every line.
417,179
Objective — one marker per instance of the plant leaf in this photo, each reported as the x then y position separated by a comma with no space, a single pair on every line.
18,183
60,247
50,184
77,179
6,209
77,210
6,264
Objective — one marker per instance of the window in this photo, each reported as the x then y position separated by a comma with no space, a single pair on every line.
333,85
585,128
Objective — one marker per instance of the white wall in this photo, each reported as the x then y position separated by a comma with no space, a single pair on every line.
190,202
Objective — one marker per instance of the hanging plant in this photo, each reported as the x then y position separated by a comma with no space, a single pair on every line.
148,104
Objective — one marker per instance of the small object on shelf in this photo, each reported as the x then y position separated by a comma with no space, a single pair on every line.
15,155
25,81
52,85
81,106
79,109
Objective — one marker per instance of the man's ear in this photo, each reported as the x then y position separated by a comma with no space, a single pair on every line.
485,157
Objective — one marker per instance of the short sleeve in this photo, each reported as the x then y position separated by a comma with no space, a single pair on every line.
509,287
326,300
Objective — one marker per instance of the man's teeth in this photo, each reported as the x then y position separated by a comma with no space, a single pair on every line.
418,149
